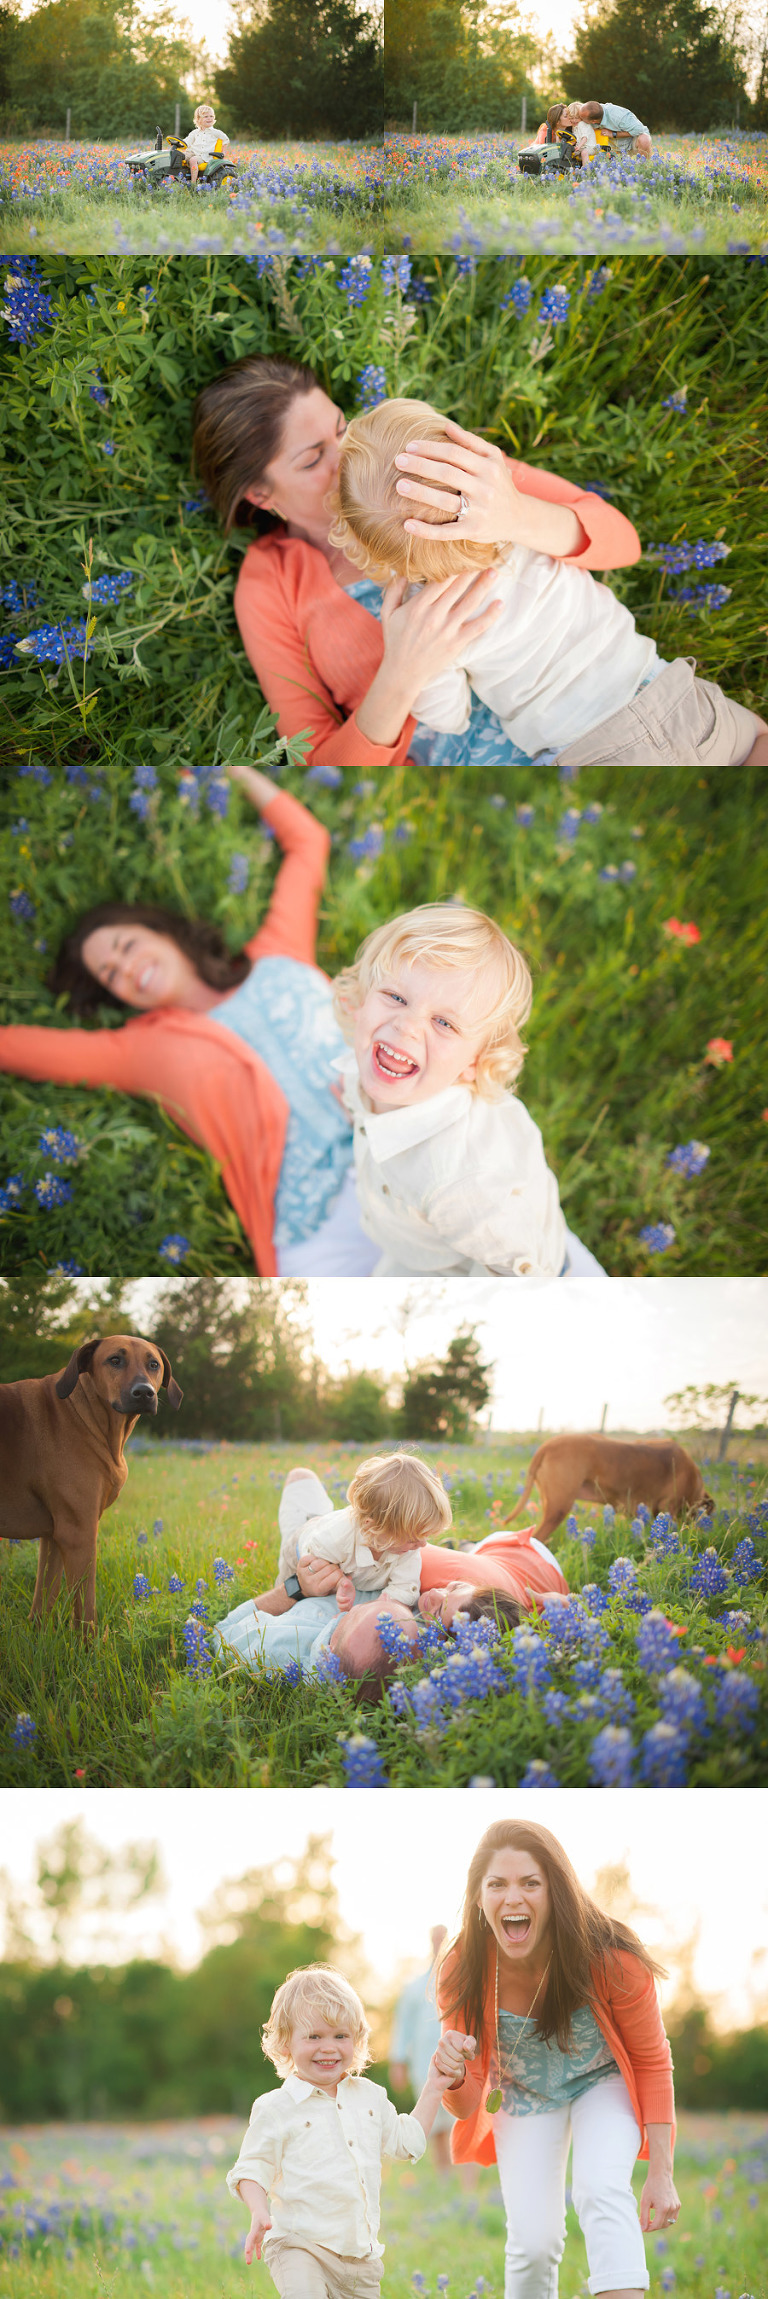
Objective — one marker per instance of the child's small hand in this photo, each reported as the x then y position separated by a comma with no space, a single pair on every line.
260,2222
453,2051
345,1593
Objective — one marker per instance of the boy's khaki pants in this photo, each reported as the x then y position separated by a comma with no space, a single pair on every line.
307,2271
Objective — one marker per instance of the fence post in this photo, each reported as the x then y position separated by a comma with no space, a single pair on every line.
413,128
69,124
723,1447
604,1419
523,115
177,120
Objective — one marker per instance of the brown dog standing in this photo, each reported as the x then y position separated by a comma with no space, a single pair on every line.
614,1470
62,1460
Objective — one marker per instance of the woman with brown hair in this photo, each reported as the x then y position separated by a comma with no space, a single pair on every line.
338,657
564,2043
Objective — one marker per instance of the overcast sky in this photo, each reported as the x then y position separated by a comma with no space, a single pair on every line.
699,1859
561,1351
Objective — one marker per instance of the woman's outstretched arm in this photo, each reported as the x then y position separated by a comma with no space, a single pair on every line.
289,928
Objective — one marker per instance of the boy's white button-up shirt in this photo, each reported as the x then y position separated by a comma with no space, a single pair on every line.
562,656
337,1538
455,1184
320,2160
203,141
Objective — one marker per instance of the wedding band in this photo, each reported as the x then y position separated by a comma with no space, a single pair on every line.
463,510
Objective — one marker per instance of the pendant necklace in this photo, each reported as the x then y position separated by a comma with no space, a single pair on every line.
493,2102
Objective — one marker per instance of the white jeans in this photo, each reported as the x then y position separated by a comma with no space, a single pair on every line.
532,2153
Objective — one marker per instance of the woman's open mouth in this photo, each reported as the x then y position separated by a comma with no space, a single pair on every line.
389,1063
515,1927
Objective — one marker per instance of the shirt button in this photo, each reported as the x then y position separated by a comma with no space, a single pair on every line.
385,1189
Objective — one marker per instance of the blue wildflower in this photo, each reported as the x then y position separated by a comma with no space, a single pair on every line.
622,1574
21,906
682,1701
657,1645
355,279
611,1758
109,586
524,816
198,1651
736,1700
222,1571
175,1585
519,297
326,777
395,272
537,1774
689,1158
141,1587
657,1236
239,871
24,1730
663,1757
709,1578
530,1661
554,306
50,1190
62,1147
175,1248
363,1767
27,308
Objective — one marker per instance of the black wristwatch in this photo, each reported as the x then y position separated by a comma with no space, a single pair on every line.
292,1587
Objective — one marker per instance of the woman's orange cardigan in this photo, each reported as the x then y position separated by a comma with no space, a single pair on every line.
214,1086
625,2006
315,650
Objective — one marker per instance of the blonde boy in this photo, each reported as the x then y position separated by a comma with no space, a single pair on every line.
203,139
450,1168
561,663
309,2168
396,1503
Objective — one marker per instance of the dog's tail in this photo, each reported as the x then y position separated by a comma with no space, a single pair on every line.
531,1480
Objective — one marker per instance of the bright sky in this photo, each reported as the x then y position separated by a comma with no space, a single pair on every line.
699,1859
562,1351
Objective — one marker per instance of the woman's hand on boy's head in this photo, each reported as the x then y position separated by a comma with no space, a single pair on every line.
478,471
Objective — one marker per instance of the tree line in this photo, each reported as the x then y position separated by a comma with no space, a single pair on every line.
84,2039
244,1354
294,68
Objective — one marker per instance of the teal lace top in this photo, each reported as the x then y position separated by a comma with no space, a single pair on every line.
483,744
284,1010
540,2077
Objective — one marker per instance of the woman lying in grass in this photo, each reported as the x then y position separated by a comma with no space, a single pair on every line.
554,654
334,652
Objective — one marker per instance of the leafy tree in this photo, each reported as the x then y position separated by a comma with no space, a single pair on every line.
707,1405
684,71
305,68
356,1408
463,67
242,1358
117,70
442,1398
42,1319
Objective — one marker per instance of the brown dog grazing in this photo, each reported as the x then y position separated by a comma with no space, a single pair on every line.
614,1470
62,1456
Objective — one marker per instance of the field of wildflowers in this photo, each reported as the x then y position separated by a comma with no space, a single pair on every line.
466,195
653,1674
89,2207
79,198
125,694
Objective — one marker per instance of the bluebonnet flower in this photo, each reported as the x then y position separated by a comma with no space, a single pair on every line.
355,279
657,1236
569,822
689,1158
13,1192
107,446
609,874
622,1574
61,1147
363,1766
50,1190
174,1248
554,306
498,801
8,646
519,297
222,1571
609,1517
158,1526
141,1540
595,1598
537,1774
24,1730
598,280
571,1527
19,601
627,871
701,596
657,1645
421,291
369,846
141,1587
174,1584
530,1661
217,793
109,586
239,871
396,1644
54,641
592,813
736,1700
329,1668
746,1565
27,308
69,1268
139,804
611,1758
403,832
36,773
613,1697
198,1651
326,777
678,557
195,503
709,1578
682,1701
371,386
524,816
21,906
663,1757
678,400
556,1707
96,391
293,1672
395,270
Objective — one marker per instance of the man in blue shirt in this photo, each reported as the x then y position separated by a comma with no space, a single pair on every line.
617,122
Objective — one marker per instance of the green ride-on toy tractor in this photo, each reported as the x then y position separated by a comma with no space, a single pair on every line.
167,158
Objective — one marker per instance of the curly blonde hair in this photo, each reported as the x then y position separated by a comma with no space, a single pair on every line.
314,1989
398,1502
368,514
445,934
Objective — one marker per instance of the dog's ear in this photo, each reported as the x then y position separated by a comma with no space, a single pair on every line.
80,1361
175,1394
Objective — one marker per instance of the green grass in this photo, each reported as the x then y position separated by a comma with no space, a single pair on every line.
123,1710
617,1072
706,193
78,199
166,2181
